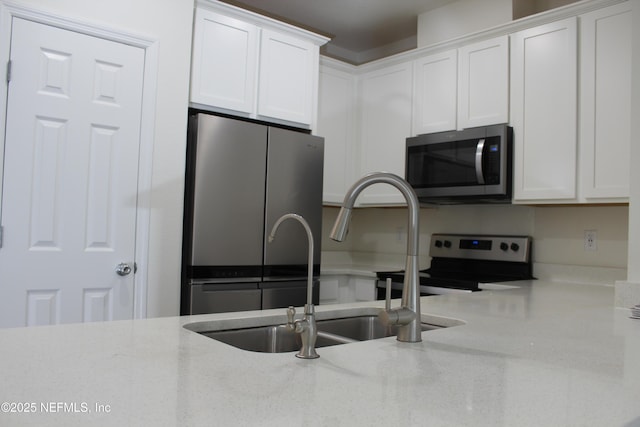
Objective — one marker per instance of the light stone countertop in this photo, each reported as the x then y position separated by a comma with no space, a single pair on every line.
542,354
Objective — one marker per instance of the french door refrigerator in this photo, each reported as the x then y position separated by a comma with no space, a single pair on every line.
241,177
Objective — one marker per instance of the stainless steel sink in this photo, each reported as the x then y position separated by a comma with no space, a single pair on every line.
270,339
363,328
279,339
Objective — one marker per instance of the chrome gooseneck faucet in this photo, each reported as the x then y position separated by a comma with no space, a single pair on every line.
407,316
306,326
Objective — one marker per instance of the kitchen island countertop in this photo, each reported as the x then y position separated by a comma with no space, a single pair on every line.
552,354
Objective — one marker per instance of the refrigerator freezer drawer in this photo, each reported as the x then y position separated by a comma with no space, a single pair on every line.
225,298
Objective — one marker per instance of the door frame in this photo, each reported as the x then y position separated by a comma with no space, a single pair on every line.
9,10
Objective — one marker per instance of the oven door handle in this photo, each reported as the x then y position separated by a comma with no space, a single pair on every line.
479,171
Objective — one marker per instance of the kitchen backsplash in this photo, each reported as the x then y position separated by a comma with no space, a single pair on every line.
557,231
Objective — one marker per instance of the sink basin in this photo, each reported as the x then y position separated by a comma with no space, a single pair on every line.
269,335
363,328
269,339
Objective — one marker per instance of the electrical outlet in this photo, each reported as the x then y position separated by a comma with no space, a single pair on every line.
590,240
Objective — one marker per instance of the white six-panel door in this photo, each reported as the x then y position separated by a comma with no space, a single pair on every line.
70,177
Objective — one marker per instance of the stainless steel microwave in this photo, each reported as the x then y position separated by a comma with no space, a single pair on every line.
468,166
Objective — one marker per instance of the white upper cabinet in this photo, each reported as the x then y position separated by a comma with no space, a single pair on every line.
248,65
337,112
561,79
288,77
483,85
544,111
553,162
434,108
605,103
228,83
386,99
462,88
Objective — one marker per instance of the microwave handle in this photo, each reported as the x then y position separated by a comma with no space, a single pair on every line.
479,171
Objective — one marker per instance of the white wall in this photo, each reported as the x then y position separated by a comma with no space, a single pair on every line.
460,18
559,235
522,8
628,292
634,205
468,16
169,22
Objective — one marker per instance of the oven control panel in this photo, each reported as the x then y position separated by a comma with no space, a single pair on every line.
482,247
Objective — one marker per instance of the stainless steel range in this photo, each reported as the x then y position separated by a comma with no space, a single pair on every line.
460,263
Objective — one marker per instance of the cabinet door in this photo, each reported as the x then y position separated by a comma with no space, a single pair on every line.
605,114
223,71
483,87
288,77
342,289
364,289
386,123
543,111
336,123
329,290
436,93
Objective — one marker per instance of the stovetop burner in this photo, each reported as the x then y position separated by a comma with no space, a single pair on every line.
465,261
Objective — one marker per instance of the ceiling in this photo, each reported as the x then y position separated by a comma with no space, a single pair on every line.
360,30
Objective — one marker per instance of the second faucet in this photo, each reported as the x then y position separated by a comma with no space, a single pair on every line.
306,326
407,316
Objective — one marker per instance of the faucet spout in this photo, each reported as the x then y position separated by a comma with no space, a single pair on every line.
408,316
306,326
304,223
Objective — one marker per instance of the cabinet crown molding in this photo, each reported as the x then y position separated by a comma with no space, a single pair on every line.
563,12
261,20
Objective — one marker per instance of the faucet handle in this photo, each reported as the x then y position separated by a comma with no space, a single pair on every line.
397,316
291,312
387,297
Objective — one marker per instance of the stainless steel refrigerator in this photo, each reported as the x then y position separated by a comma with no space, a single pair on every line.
241,177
